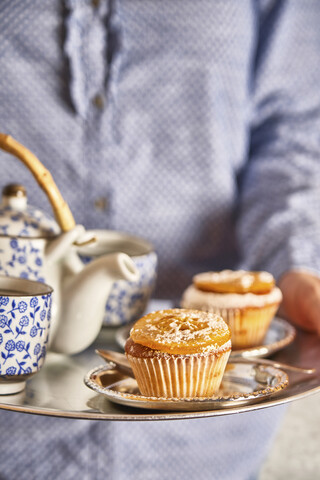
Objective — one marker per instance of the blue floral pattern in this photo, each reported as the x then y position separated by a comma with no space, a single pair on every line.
24,333
22,258
128,300
22,243
30,222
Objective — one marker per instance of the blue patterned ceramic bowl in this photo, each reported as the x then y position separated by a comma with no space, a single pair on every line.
25,312
127,300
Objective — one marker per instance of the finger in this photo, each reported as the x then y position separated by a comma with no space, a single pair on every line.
301,300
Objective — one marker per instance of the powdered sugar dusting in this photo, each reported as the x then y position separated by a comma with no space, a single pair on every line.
181,327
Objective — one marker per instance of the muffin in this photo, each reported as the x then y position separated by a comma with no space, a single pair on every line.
179,353
247,301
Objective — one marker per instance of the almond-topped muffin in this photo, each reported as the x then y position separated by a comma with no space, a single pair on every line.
179,353
247,301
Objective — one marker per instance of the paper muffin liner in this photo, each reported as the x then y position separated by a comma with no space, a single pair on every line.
248,326
183,376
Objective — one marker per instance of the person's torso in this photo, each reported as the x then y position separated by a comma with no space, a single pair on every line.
140,110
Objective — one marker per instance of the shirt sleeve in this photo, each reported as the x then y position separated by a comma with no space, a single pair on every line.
279,207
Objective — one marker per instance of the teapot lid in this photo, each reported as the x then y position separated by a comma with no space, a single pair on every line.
18,219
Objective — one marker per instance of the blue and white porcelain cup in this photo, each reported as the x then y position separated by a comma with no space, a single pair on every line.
25,313
127,300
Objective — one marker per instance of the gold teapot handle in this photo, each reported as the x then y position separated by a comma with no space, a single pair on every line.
44,178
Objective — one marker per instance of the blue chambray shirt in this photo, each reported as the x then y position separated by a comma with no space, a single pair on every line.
193,124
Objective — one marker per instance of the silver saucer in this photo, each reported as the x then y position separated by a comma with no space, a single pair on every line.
280,334
242,384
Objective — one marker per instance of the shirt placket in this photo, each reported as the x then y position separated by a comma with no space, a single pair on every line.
86,50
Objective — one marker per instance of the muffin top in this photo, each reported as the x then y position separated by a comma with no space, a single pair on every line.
181,331
235,281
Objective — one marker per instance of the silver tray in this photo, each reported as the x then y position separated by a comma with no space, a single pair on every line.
58,389
280,334
242,384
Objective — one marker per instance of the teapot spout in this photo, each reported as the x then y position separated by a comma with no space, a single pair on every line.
84,297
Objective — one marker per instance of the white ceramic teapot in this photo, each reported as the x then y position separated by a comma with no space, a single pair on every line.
33,246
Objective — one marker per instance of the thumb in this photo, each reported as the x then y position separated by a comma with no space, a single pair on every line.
301,299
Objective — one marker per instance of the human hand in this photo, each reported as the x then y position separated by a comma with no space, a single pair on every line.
301,299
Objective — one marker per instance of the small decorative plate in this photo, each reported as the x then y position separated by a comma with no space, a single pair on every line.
280,334
242,384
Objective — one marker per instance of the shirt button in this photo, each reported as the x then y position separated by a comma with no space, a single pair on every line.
95,3
98,101
101,204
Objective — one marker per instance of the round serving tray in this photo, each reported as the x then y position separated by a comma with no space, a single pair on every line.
59,390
